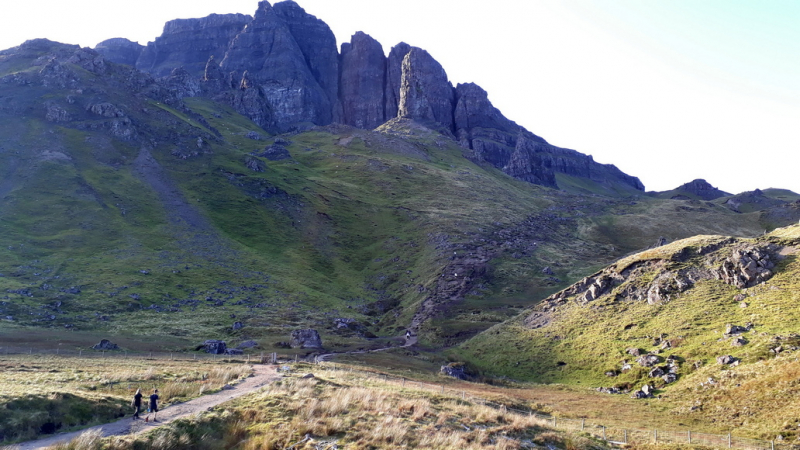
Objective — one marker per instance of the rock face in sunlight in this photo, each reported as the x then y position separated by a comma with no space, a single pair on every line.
281,69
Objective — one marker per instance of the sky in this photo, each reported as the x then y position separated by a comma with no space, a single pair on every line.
668,91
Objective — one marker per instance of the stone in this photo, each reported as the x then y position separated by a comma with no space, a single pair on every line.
726,359
213,346
120,51
275,152
548,271
305,339
648,390
234,351
669,378
456,370
657,372
731,329
308,375
648,360
739,341
237,326
362,82
609,390
105,344
633,351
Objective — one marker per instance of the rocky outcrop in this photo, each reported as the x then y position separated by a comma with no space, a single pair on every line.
425,93
277,68
120,51
213,346
699,189
746,267
752,201
189,43
306,339
738,264
105,344
362,82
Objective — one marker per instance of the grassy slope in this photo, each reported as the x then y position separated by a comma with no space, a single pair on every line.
355,224
592,338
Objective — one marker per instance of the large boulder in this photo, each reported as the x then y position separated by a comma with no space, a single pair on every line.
648,360
214,347
105,344
305,339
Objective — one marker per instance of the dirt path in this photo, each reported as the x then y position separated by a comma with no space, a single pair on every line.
263,375
411,341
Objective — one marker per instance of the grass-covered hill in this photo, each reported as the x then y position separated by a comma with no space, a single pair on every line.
135,207
664,317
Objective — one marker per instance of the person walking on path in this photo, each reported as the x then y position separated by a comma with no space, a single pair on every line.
154,404
137,404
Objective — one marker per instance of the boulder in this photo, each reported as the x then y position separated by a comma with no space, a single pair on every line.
609,390
305,339
739,341
234,351
237,326
213,346
726,359
669,378
735,329
633,351
648,360
657,372
456,370
105,344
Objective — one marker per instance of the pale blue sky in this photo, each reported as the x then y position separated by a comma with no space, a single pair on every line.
668,91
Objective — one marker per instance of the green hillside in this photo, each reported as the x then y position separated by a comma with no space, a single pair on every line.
129,209
679,303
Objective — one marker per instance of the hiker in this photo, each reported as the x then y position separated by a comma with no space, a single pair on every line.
154,404
137,403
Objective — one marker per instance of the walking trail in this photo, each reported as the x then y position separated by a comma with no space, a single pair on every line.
262,376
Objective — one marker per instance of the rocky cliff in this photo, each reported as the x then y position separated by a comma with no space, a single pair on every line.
120,50
281,68
188,43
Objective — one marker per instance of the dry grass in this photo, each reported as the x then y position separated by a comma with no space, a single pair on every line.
52,393
352,411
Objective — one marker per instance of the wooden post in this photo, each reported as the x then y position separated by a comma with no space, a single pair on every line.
655,436
554,422
604,433
583,423
772,445
80,352
690,436
442,388
729,440
404,381
625,435
463,395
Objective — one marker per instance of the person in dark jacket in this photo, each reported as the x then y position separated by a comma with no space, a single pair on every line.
154,404
137,403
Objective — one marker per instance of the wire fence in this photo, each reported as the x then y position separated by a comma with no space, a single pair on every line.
612,434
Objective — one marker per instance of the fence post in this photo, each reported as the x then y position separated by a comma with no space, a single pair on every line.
655,435
404,381
772,444
463,395
583,422
80,353
729,440
554,421
604,433
442,388
625,435
690,436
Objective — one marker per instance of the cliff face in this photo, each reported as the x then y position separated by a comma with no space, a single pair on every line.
362,82
281,68
189,43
